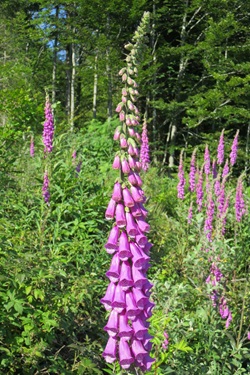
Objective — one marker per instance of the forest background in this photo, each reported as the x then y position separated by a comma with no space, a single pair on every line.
193,82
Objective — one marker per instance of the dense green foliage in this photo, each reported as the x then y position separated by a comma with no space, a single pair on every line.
194,81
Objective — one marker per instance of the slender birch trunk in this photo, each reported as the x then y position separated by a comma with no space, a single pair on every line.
55,60
95,87
72,86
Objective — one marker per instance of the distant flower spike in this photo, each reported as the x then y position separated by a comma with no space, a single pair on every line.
48,127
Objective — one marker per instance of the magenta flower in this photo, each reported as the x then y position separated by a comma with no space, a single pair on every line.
48,128
234,149
226,170
144,152
110,351
229,319
182,181
207,161
45,188
128,293
165,342
199,190
220,150
32,147
248,335
239,201
192,173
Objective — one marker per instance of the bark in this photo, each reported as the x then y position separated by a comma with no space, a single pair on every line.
72,86
55,60
182,68
109,75
95,87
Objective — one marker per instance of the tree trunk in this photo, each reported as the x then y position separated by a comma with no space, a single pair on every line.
108,72
68,76
72,85
55,59
154,114
95,87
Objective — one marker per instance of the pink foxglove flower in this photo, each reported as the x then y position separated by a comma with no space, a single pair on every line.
220,150
32,147
240,209
226,170
207,161
165,342
199,190
48,128
144,152
45,188
192,173
234,149
182,181
128,293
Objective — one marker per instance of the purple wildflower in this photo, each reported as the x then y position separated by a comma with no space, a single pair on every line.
128,293
217,186
229,319
248,335
208,227
215,275
182,181
45,188
199,189
225,312
206,161
190,213
192,173
48,128
220,150
74,155
144,152
32,147
78,167
239,201
165,342
234,149
226,170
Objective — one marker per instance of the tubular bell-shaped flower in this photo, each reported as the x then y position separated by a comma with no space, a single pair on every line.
144,152
192,172
199,189
45,188
127,296
239,201
182,181
234,149
32,147
206,161
220,150
48,127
